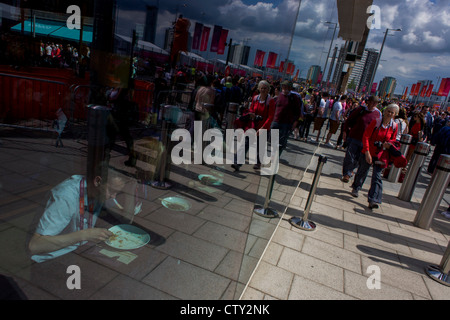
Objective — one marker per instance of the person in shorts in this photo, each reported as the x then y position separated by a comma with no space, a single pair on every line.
321,114
335,115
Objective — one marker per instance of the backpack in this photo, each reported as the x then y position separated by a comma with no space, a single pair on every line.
292,98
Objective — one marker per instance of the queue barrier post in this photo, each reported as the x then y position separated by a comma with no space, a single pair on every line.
409,184
434,193
265,211
441,273
303,222
405,141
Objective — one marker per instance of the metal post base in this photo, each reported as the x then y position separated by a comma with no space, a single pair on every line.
161,185
265,212
302,224
435,273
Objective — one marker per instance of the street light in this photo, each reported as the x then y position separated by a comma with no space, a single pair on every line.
331,44
379,56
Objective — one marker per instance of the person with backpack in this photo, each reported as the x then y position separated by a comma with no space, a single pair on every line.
442,146
354,128
378,138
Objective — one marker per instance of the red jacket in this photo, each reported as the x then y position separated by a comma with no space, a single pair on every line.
265,110
375,132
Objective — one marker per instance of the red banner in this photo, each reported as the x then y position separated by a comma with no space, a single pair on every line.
259,58
222,41
446,88
205,38
290,68
197,36
281,68
271,60
416,92
217,33
424,90
442,87
319,78
413,89
374,88
405,95
296,75
430,90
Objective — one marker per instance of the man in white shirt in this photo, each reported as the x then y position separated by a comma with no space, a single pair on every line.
334,119
70,216
321,115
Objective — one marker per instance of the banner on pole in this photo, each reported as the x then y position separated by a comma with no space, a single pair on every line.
217,33
259,58
271,60
222,41
197,36
205,38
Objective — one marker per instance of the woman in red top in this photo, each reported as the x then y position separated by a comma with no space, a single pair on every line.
262,108
416,127
260,116
377,139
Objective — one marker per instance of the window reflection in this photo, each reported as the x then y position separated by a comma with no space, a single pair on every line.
94,109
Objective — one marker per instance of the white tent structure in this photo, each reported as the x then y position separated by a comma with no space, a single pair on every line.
124,43
194,56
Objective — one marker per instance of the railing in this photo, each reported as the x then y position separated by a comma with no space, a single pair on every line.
35,103
31,103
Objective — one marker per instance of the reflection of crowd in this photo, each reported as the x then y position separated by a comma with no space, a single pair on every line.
354,118
57,55
297,108
369,130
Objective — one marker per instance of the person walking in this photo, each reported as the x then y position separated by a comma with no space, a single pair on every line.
259,117
355,125
287,113
321,116
308,111
335,115
378,138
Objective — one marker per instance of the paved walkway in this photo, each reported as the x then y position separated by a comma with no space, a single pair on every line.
212,250
335,260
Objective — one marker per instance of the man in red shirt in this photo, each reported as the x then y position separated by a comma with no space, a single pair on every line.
354,128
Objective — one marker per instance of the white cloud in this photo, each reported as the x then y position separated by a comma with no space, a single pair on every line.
433,41
410,38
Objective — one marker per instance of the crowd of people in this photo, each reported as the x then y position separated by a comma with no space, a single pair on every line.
368,129
59,55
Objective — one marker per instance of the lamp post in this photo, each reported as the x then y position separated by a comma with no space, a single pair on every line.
331,44
292,38
379,56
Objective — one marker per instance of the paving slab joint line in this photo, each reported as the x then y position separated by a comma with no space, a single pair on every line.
278,224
